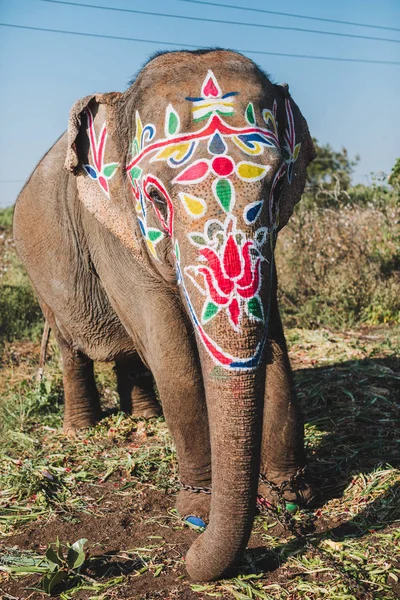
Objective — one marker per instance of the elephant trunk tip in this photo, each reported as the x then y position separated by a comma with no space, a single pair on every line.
206,564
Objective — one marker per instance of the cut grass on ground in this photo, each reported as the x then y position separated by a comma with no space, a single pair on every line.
115,484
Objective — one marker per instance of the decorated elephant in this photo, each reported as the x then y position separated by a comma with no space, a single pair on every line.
148,232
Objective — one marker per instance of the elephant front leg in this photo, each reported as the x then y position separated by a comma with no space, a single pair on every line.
282,453
135,386
174,363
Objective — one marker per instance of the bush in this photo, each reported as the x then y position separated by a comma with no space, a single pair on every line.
20,314
341,266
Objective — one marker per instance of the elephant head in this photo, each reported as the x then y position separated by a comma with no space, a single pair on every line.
195,168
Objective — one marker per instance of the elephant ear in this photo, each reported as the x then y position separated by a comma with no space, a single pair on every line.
297,149
95,158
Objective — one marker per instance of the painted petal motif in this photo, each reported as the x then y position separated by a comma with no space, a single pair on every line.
90,171
249,171
250,291
193,174
254,308
232,263
209,311
247,276
217,144
234,311
172,121
215,294
250,116
109,170
177,153
195,207
252,212
210,88
224,283
224,192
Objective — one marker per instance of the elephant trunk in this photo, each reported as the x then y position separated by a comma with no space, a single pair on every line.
235,417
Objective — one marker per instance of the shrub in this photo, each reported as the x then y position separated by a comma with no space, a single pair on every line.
339,266
20,314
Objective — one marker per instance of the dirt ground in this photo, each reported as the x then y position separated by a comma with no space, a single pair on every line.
136,544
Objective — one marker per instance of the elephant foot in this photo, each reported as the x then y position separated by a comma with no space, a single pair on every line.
147,410
191,505
295,490
72,425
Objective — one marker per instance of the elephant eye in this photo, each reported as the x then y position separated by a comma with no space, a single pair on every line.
156,195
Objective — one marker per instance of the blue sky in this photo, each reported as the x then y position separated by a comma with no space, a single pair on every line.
346,104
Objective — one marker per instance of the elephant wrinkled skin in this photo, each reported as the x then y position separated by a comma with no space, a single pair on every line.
148,231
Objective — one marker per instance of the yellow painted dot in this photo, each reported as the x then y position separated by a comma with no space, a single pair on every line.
195,207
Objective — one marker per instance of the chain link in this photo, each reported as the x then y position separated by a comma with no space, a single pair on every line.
301,531
194,489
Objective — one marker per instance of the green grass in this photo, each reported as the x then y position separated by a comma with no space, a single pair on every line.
20,314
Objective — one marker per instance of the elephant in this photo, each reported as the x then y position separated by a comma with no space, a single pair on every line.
148,233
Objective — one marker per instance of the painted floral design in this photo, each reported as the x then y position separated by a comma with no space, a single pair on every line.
212,101
290,149
229,273
228,270
99,171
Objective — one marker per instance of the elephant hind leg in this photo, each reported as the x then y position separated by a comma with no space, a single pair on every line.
81,398
135,386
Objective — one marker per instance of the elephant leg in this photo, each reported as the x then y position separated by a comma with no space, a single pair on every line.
81,398
282,451
173,360
135,386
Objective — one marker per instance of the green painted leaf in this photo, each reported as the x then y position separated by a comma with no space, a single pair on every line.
135,173
209,311
223,191
198,239
173,123
109,170
250,116
177,252
254,308
154,234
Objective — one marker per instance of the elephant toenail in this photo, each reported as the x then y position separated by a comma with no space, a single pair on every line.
195,521
291,507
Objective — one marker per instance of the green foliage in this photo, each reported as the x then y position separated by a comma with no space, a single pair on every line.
20,314
329,175
339,266
394,178
61,567
6,217
61,564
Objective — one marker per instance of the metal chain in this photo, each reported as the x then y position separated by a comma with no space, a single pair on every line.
194,489
301,531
